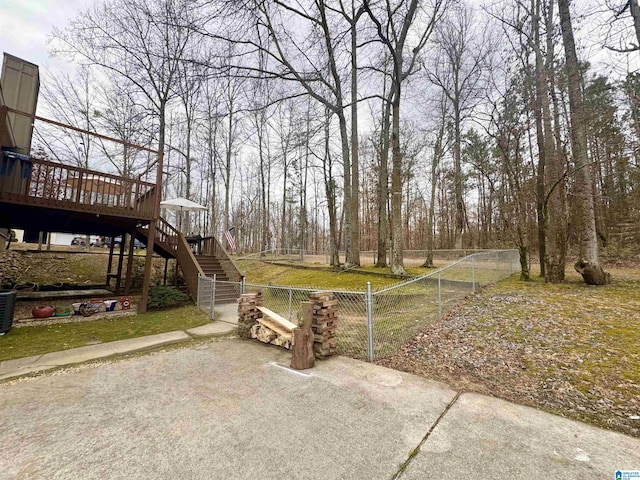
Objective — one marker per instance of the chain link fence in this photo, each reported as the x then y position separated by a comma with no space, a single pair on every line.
375,324
401,311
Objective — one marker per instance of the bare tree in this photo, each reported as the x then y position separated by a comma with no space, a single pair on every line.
310,59
70,99
394,23
620,9
588,264
137,40
122,115
458,70
439,149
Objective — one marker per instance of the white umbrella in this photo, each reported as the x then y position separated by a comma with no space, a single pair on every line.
182,204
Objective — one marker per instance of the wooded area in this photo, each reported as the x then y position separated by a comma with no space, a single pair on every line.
370,125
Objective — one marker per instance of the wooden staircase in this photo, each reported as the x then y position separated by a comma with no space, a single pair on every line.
213,260
226,292
43,195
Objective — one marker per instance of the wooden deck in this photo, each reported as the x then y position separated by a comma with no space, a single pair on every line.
44,196
42,183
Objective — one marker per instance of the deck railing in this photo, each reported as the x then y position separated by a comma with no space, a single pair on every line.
211,246
41,182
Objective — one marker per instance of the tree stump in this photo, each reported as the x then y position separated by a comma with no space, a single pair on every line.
302,341
592,274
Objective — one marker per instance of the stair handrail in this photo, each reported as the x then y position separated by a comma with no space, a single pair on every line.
190,267
166,233
212,246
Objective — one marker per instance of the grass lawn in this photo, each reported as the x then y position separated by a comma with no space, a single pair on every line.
569,348
27,341
266,274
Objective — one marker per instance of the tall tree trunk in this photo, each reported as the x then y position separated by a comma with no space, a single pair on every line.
211,137
187,227
283,219
346,162
540,92
264,237
457,174
588,264
551,202
227,168
303,186
354,251
397,261
428,261
383,187
558,161
330,192
437,155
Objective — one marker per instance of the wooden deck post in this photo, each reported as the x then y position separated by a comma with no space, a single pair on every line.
142,307
132,244
110,263
120,261
166,266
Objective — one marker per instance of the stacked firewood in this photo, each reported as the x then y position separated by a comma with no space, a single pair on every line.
324,324
248,312
273,329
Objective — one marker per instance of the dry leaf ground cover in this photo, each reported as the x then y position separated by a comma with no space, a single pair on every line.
570,349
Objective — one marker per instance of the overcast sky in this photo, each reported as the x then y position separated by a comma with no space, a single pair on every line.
26,24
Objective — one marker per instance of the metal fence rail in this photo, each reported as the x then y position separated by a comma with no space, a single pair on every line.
375,324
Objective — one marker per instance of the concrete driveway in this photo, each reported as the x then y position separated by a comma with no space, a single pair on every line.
230,409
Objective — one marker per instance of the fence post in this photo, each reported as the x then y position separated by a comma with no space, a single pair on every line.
242,285
213,297
473,274
497,268
369,306
439,298
290,300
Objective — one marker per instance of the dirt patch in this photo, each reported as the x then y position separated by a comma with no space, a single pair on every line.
570,349
36,270
18,268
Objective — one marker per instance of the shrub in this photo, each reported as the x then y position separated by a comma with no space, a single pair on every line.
166,297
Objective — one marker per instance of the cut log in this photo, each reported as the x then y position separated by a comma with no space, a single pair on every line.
263,334
282,341
302,343
286,324
276,327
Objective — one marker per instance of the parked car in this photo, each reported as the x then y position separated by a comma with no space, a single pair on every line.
98,242
94,241
82,241
117,241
